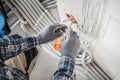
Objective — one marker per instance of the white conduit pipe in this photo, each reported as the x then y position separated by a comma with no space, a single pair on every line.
51,6
88,18
84,6
31,10
45,11
21,21
91,20
89,30
82,20
100,71
90,13
40,11
28,10
34,7
81,69
15,12
33,13
95,72
46,1
24,13
28,13
92,73
40,19
37,11
86,67
86,11
93,17
30,21
50,3
98,12
39,25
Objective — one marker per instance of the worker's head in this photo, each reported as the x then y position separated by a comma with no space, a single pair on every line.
2,24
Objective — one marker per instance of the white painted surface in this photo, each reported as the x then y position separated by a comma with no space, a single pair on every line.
117,77
107,48
113,8
106,51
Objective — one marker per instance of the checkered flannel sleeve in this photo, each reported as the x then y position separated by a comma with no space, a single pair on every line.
12,45
65,69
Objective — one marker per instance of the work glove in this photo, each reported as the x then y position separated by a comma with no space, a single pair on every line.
51,32
70,45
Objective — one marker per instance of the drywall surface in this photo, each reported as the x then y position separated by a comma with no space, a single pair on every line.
107,47
106,50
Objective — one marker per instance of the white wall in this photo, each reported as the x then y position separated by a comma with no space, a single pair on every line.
107,48
106,51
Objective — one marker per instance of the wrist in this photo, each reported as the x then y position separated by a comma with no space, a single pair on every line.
67,58
68,53
39,39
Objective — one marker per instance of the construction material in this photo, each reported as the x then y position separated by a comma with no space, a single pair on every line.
15,12
36,15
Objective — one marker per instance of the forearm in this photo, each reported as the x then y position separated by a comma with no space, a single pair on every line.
65,69
13,45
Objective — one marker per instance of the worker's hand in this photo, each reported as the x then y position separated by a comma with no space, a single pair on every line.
51,32
70,45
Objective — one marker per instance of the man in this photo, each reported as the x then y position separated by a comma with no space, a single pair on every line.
11,47
26,60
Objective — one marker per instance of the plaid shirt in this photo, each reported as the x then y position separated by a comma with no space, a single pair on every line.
13,45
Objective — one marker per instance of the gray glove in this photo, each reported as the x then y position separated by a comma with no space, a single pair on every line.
70,45
49,34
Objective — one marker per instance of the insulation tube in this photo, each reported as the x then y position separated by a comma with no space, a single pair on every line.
40,11
45,11
101,72
51,6
37,11
46,1
96,73
33,12
24,13
81,69
30,22
50,3
28,10
15,11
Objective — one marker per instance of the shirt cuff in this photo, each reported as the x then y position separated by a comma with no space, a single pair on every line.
68,59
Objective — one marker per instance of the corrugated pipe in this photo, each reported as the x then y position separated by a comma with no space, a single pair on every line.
51,6
46,1
50,3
